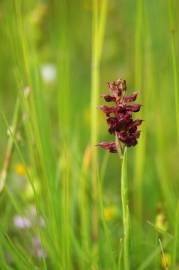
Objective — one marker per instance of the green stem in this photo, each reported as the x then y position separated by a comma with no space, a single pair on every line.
140,150
174,61
10,147
175,241
98,31
125,209
94,126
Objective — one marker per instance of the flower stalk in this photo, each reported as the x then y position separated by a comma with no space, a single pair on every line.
125,209
124,127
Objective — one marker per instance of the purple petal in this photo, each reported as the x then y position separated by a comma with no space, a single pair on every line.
111,147
108,98
131,98
123,124
133,108
107,109
119,123
131,142
21,222
130,139
137,122
112,122
37,246
134,125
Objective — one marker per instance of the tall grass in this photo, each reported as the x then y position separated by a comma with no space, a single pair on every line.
98,29
138,66
74,186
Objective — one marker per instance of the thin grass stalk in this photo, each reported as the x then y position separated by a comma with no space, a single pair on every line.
84,206
21,259
165,266
125,210
138,36
148,261
39,125
120,252
161,143
64,71
10,147
110,260
61,12
28,174
174,62
94,126
98,27
140,150
66,217
175,239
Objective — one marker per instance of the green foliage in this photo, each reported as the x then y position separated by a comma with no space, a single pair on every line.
60,196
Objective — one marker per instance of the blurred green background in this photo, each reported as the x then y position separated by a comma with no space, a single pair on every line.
60,195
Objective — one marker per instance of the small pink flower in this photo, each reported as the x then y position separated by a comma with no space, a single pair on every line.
21,222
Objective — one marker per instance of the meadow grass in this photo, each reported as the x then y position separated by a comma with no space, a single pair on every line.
60,197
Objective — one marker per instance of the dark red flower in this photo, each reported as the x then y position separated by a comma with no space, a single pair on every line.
119,117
